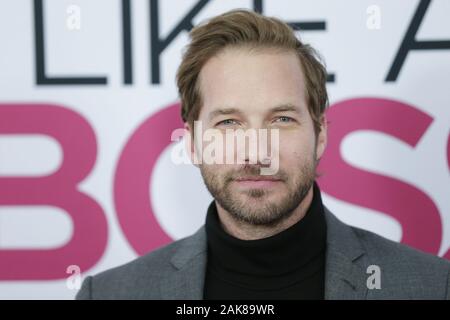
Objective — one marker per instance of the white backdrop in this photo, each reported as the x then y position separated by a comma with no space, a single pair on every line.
86,178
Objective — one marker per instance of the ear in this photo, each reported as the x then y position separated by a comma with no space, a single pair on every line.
190,144
322,137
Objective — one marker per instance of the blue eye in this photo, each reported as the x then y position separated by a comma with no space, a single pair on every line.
284,119
227,122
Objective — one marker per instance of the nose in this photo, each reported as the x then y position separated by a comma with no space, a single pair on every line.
256,146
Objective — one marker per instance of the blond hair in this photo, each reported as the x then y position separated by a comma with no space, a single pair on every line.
242,28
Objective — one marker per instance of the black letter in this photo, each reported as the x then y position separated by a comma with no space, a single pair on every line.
127,56
258,6
41,77
410,42
159,45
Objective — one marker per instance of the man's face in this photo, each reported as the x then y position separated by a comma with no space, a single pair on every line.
243,89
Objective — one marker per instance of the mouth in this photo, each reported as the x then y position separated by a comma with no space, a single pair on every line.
257,182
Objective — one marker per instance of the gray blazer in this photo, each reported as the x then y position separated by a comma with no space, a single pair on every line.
177,271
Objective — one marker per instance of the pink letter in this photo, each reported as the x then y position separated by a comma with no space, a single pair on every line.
134,174
59,189
412,208
447,255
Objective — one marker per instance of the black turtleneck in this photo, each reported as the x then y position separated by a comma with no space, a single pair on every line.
288,265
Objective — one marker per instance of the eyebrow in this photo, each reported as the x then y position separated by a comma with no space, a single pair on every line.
286,107
223,111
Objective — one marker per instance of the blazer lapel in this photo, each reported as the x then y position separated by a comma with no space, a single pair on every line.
189,260
345,277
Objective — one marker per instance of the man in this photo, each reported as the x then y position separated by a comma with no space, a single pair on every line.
266,236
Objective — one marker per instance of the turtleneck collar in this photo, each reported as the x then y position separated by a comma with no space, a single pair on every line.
282,254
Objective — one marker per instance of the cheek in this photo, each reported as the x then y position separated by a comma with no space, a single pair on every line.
296,148
290,158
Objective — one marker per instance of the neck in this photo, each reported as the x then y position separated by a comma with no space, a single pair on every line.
246,231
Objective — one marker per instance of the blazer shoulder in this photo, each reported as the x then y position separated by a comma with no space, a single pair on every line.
136,279
377,245
406,266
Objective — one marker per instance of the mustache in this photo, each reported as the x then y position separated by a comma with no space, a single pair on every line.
253,171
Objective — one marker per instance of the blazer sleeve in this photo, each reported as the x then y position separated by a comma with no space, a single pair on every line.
85,292
448,285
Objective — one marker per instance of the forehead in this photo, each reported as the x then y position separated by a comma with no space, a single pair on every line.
252,80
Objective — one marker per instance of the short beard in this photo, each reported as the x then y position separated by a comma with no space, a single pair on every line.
271,213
